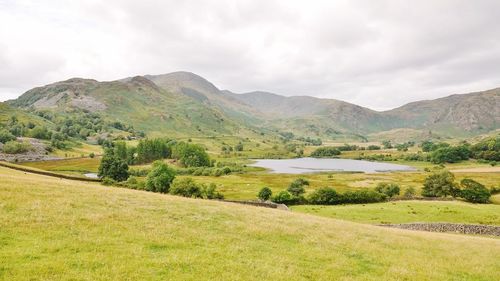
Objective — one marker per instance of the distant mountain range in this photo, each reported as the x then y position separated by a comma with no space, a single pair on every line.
185,104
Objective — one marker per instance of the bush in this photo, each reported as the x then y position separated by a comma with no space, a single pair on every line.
373,147
325,152
186,187
14,147
450,154
296,188
284,197
108,181
474,192
362,196
6,136
191,155
389,189
113,167
160,177
324,196
440,184
210,192
410,192
264,194
92,155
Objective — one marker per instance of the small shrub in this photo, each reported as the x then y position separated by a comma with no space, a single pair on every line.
14,147
410,192
284,197
296,188
389,189
210,192
6,136
108,181
362,196
265,193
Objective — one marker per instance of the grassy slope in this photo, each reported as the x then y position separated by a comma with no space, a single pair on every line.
53,229
409,211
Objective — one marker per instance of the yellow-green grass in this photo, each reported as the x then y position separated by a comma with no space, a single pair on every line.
78,150
71,166
409,211
53,229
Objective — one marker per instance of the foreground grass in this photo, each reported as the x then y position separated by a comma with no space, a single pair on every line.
52,229
409,211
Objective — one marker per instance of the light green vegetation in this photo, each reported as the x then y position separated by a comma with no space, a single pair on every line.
78,149
53,229
409,211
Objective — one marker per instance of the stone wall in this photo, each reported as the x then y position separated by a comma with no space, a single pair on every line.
450,227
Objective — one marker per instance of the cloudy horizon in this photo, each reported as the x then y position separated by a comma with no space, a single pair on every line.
379,55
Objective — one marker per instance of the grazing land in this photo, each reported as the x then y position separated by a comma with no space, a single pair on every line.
409,211
58,229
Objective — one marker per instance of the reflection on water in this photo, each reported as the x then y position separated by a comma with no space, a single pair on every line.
311,165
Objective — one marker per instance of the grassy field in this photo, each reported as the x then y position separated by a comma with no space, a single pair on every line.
68,166
53,229
409,211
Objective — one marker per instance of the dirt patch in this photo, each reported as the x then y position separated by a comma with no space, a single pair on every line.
450,227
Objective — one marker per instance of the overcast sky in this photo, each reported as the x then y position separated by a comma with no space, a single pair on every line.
378,54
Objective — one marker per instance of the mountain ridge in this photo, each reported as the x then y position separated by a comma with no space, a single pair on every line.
182,91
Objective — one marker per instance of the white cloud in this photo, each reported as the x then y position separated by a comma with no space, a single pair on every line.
377,54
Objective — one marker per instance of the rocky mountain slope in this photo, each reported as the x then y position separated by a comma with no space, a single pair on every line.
183,103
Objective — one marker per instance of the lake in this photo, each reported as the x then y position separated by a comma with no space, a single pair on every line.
312,165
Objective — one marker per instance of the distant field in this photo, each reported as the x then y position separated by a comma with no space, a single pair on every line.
53,229
71,166
409,211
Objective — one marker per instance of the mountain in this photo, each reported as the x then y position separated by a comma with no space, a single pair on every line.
185,104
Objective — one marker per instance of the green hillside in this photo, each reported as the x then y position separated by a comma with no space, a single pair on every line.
53,229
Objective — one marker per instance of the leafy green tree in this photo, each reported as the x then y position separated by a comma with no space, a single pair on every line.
160,177
191,155
474,192
389,189
265,193
450,154
14,147
324,196
6,136
113,167
186,187
296,188
283,197
440,184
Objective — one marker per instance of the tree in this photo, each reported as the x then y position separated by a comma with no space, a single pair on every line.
450,154
324,196
191,155
113,167
440,184
325,152
474,192
389,189
160,177
6,136
265,193
296,188
210,192
186,187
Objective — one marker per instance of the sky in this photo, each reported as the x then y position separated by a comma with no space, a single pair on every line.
378,54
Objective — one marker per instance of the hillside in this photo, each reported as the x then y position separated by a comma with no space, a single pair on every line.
185,104
101,233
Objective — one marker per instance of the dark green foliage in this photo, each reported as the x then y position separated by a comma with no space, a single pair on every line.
284,197
450,154
428,146
474,192
160,177
113,167
362,196
347,147
265,193
440,184
325,152
186,187
296,188
153,149
487,149
14,147
324,196
387,144
191,155
389,189
40,132
6,136
373,147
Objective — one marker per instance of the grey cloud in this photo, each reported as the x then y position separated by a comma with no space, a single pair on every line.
377,54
